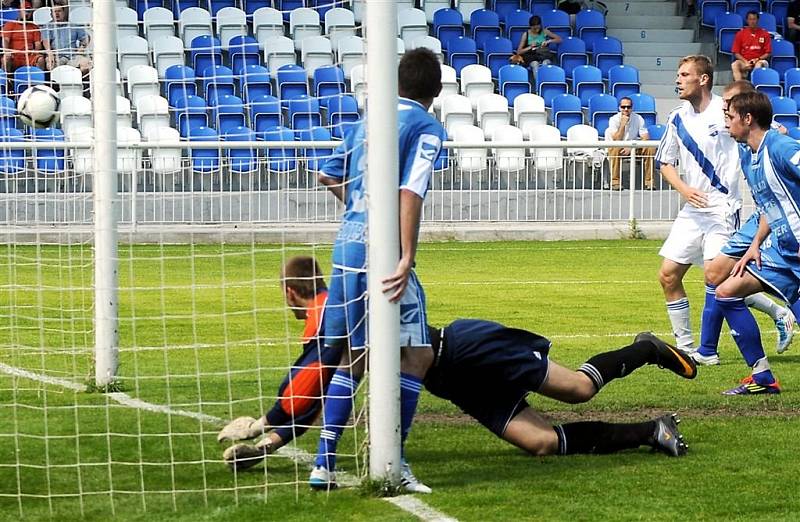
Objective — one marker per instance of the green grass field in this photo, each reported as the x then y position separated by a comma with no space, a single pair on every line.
220,347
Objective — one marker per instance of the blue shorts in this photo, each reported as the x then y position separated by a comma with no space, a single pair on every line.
741,240
346,311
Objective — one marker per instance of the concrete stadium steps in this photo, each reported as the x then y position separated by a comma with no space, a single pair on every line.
654,63
674,49
641,7
648,35
661,22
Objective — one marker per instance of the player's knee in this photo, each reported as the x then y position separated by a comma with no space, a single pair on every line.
724,292
416,360
668,279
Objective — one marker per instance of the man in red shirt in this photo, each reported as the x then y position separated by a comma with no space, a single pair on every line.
22,41
751,48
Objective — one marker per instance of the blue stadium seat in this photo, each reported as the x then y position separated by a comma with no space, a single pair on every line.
321,6
656,132
645,106
253,82
783,57
516,23
550,82
203,160
483,24
287,6
205,51
768,22
143,5
503,7
447,24
265,113
571,54
216,5
49,160
461,51
178,6
291,82
227,112
179,82
779,9
607,54
280,159
26,76
303,112
566,112
190,112
623,80
513,81
342,111
587,80
3,82
530,5
710,9
328,81
8,112
496,52
243,51
767,80
590,26
241,160
315,158
12,161
742,7
251,6
601,108
725,28
784,111
791,81
557,22
12,13
216,81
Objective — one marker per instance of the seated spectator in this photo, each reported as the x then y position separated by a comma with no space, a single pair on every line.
623,126
752,47
64,43
793,22
22,41
532,48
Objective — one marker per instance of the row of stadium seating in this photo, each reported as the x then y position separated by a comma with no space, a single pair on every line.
775,9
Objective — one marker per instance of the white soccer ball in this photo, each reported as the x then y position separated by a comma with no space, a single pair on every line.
38,106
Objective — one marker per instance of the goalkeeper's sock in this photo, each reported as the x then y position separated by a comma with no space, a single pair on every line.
605,367
744,330
602,437
762,303
410,387
335,411
710,323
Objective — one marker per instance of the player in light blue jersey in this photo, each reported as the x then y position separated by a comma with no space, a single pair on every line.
420,141
771,262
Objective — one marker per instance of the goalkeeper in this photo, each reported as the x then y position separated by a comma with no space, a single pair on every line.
300,394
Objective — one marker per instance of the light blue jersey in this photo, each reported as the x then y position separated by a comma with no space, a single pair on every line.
420,141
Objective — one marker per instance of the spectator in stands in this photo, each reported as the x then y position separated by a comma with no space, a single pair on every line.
751,48
22,41
793,21
533,44
690,8
627,125
64,43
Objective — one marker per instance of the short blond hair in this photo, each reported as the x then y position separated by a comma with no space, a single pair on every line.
702,65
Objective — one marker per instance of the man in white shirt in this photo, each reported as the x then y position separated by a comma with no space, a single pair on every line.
623,126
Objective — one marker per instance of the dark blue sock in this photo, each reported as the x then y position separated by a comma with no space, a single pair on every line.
710,324
338,404
745,332
410,388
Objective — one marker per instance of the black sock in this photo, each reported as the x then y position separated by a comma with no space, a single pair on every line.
605,367
602,437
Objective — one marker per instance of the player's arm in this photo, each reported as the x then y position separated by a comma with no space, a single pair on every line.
410,213
694,197
333,184
667,158
332,174
754,252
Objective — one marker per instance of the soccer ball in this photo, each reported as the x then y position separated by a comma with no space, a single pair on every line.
38,106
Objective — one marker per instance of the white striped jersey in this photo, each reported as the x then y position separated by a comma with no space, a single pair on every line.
420,142
708,156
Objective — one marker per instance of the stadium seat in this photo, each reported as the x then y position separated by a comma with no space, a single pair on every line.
81,15
503,7
571,53
342,111
217,81
253,81
432,6
291,82
429,42
350,53
656,132
513,82
516,24
484,24
476,80
158,23
509,160
529,110
742,7
545,159
179,6
557,22
767,80
267,23
449,86
303,112
339,22
203,160
194,22
623,80
152,111
287,6
27,76
303,22
320,6
792,84
226,113
82,157
167,51
582,133
241,161
710,9
566,112
492,112
132,50
590,26
278,51
783,56
123,110
550,81
231,21
280,159
401,48
8,113
12,161
768,22
784,111
496,53
129,156
601,108
587,80
472,159
328,81
316,52
265,112
118,75
4,82
205,51
607,54
43,16
68,79
411,24
49,161
456,111
461,51
179,82
358,85
190,112
314,157
164,161
645,106
467,7
243,51
447,24
142,81
779,9
216,6
726,26
127,21
252,6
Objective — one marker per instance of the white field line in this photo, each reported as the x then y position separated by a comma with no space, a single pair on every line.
407,503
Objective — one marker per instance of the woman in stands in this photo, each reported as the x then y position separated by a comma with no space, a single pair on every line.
533,44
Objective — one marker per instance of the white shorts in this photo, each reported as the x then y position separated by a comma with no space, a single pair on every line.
696,237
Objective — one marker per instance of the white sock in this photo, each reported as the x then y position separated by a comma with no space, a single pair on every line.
678,312
762,303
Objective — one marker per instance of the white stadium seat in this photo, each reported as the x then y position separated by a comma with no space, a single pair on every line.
127,22
267,22
492,113
68,79
194,22
316,52
350,52
470,160
529,110
168,51
339,22
231,21
476,80
142,81
411,24
545,158
75,112
158,23
303,22
278,50
133,50
456,110
509,160
151,112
